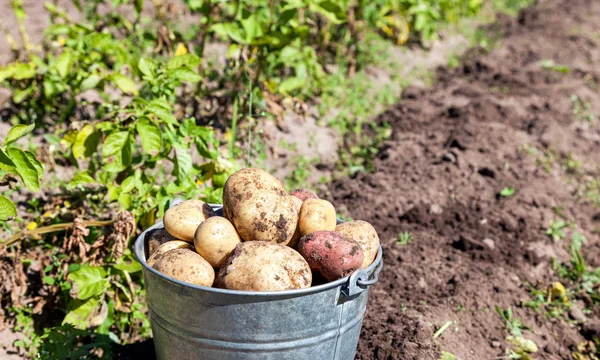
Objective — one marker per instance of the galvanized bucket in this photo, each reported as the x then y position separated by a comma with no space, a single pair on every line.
195,322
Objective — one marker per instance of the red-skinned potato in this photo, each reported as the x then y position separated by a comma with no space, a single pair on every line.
304,194
316,215
332,254
363,233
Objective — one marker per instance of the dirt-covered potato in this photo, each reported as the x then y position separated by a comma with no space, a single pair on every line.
294,242
304,194
165,248
365,234
258,206
332,254
156,238
215,238
183,219
264,266
187,266
316,215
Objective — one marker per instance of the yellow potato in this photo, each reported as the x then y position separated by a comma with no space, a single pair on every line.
187,266
183,219
264,266
366,236
259,208
316,215
215,239
156,238
165,248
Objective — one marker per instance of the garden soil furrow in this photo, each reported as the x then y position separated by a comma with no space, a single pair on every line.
499,120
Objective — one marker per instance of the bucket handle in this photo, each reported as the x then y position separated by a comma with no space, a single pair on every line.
359,282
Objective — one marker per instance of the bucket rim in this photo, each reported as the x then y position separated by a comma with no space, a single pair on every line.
140,253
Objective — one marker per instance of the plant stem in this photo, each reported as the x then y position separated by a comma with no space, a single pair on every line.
50,229
11,41
233,127
17,6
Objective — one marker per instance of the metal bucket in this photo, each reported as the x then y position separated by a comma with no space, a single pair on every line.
196,322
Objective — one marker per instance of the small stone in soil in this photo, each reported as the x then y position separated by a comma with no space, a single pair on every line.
435,209
489,243
576,314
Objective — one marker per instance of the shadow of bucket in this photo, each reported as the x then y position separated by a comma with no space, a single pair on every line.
201,323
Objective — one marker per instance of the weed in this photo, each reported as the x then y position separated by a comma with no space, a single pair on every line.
453,61
299,177
556,229
404,238
520,346
554,300
512,7
507,191
584,279
513,325
550,65
447,356
581,109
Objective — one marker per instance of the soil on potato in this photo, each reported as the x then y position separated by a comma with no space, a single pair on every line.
454,147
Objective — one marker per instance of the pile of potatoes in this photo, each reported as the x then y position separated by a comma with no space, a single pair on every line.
265,240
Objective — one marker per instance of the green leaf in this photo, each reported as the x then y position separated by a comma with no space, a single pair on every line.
25,169
79,312
161,112
90,82
447,356
86,142
6,72
183,163
6,163
48,280
507,191
82,178
17,132
188,60
185,74
231,30
88,281
124,83
36,163
290,84
125,200
150,135
8,210
148,67
114,143
252,27
64,63
117,151
131,267
129,184
139,6
23,71
332,11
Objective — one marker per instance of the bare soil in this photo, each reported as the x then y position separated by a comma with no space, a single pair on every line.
454,147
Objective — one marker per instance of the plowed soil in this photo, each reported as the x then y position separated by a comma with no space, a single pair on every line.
499,120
